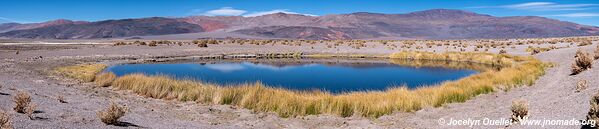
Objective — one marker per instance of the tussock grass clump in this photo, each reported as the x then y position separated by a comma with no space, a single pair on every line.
581,85
104,79
112,114
593,113
582,62
516,71
519,110
22,101
83,72
5,122
483,58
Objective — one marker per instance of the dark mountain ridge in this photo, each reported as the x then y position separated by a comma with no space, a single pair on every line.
428,24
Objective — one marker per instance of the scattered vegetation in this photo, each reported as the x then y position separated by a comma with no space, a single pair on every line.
519,110
5,122
83,72
112,114
593,113
22,101
582,62
515,71
581,85
104,79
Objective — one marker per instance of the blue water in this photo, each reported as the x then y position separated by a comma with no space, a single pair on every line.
336,77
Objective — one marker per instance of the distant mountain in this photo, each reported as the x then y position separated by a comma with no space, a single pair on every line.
17,26
428,24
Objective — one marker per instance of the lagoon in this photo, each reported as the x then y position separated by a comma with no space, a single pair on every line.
334,76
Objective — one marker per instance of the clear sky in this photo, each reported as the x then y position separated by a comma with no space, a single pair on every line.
26,11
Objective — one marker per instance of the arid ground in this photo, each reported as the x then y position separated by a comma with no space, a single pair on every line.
29,67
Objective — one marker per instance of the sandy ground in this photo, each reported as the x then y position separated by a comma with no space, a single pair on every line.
551,97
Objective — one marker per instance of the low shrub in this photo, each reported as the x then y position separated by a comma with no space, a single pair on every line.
5,122
22,101
502,51
112,114
582,62
519,110
593,113
30,110
153,44
202,44
581,85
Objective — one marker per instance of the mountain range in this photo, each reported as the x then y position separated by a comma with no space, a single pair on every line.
428,24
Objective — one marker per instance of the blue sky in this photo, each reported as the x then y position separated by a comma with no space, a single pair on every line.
26,11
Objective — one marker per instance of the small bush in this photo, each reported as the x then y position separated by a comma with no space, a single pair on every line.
593,113
153,44
119,43
202,44
519,110
582,85
111,115
30,110
5,122
22,100
104,79
502,51
582,62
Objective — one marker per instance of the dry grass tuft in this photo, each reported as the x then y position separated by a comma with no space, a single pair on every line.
5,122
515,71
22,100
83,72
582,62
581,85
519,110
593,113
112,114
104,79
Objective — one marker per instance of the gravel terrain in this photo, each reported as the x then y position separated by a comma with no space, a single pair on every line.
553,96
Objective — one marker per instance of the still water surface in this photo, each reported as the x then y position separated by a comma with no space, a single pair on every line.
302,75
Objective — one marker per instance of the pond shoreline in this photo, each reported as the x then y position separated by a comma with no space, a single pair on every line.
552,96
448,92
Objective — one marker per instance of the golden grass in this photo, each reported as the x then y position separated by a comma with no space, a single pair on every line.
104,79
483,58
515,71
83,72
343,56
445,64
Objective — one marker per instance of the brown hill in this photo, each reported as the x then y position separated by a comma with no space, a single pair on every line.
429,24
